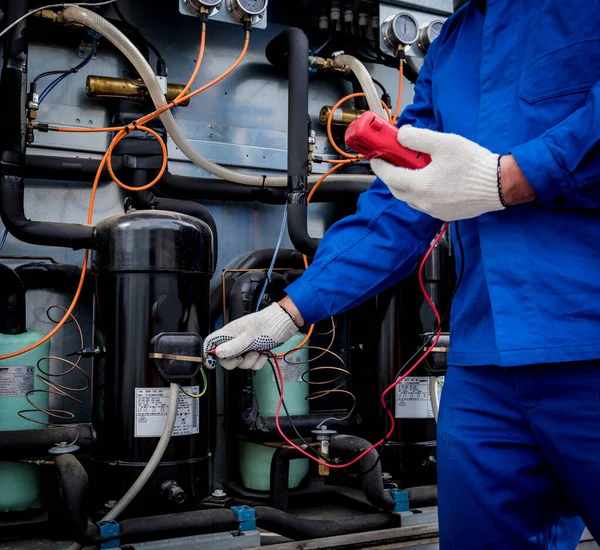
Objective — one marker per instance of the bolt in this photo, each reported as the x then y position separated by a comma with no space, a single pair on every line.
219,493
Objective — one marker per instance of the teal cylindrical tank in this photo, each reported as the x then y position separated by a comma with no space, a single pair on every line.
21,487
255,459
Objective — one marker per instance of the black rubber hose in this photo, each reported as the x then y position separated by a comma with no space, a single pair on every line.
185,187
296,528
210,189
13,121
146,200
31,443
59,277
74,491
294,43
280,472
178,525
349,446
62,168
67,235
419,497
13,313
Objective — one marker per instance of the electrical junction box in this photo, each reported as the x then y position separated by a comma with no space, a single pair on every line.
414,27
229,11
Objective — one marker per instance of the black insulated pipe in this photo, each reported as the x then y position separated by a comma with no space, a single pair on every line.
13,121
349,446
31,443
74,490
293,43
296,528
40,275
12,302
185,187
178,525
214,521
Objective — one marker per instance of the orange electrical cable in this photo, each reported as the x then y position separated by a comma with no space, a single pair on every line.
330,121
400,86
122,131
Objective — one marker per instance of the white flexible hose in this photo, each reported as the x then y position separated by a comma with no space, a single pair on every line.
116,37
365,81
433,396
148,470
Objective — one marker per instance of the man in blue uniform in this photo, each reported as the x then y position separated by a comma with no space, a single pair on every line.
508,106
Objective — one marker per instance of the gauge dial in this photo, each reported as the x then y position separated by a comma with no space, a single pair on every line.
242,9
211,5
252,7
400,30
429,33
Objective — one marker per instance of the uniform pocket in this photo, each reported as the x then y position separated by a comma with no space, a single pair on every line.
573,69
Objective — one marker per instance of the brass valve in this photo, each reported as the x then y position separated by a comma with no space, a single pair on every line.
341,117
112,87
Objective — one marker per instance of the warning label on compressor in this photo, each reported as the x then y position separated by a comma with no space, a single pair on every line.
16,381
412,397
152,406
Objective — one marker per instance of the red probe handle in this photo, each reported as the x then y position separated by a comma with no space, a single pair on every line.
374,137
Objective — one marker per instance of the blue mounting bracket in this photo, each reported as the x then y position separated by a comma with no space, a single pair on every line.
247,517
401,499
111,531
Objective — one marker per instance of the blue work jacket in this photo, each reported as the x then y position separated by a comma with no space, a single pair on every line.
520,77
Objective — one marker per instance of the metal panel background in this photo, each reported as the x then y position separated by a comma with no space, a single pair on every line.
242,122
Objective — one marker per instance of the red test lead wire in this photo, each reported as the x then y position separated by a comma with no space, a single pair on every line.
386,391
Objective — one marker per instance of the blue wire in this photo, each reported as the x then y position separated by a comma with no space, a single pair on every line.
320,49
62,77
4,238
272,266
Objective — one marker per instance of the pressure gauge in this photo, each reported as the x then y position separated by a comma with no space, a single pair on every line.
429,32
240,9
400,30
211,5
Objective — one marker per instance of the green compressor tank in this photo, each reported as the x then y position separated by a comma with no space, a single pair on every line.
20,483
255,459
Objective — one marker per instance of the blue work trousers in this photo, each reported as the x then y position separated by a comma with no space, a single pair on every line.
519,457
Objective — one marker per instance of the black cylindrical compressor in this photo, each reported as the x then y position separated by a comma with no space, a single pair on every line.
152,272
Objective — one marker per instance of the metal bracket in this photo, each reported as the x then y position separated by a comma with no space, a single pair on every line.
247,517
110,530
401,499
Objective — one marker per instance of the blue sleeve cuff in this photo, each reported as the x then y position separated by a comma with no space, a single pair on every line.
543,172
305,299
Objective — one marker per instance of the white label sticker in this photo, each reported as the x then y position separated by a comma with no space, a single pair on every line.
152,406
16,381
412,397
338,114
292,368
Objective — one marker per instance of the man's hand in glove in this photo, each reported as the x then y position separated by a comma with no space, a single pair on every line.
243,342
463,180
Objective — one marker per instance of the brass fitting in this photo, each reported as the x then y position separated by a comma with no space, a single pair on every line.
341,117
29,134
112,87
326,64
50,15
312,142
55,17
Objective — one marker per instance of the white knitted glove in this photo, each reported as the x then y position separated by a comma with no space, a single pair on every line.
460,182
239,343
